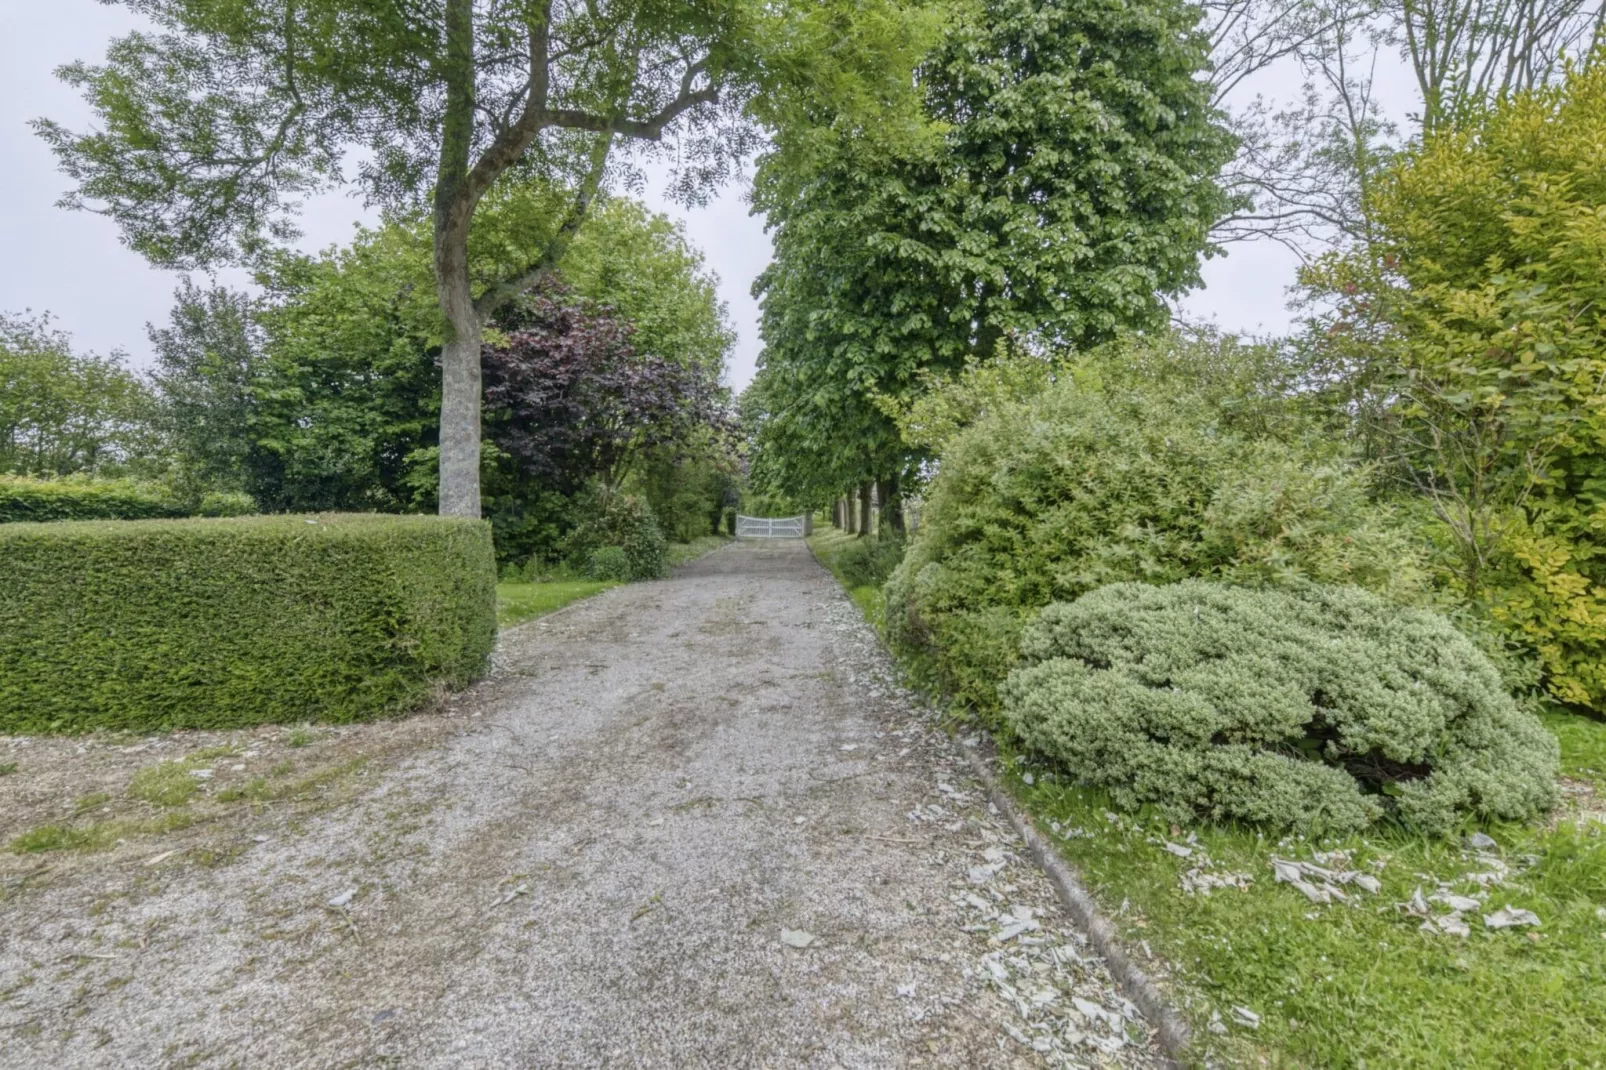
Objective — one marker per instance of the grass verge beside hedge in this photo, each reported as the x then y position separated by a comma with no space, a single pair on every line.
167,624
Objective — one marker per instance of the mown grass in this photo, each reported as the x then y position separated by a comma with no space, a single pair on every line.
828,544
1357,984
519,602
682,553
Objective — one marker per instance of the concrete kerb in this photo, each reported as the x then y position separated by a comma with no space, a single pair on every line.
1174,1034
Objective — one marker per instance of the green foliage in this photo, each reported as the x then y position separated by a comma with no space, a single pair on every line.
342,404
226,503
1322,710
624,522
1097,481
609,563
84,498
63,412
1068,187
152,625
1474,334
869,561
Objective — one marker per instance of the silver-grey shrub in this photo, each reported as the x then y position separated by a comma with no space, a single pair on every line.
1323,709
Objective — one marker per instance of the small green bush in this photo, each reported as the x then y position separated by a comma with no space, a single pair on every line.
1087,485
151,625
226,503
1323,709
609,563
23,498
625,521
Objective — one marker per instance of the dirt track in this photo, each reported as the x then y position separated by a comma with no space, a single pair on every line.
593,864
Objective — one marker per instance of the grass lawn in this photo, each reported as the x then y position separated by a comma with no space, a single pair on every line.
828,543
681,553
519,602
1354,983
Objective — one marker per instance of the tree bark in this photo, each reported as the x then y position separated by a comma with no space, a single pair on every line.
864,508
459,488
892,506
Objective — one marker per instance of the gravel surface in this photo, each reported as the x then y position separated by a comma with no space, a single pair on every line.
686,823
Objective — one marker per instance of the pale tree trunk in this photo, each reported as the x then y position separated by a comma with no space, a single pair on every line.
864,509
459,488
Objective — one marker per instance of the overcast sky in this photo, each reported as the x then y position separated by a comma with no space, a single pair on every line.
73,265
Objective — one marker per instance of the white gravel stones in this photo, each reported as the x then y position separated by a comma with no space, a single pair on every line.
1060,1002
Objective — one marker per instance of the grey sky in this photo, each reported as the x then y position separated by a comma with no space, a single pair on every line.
73,265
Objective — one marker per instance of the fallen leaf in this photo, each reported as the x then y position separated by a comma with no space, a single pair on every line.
1508,916
344,898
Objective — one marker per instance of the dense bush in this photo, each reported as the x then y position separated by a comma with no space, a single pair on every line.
624,521
1472,325
1323,709
609,563
1083,486
76,498
148,625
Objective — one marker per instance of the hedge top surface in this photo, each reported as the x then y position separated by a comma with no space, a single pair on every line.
1325,708
276,524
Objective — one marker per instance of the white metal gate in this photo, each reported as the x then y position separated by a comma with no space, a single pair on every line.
761,527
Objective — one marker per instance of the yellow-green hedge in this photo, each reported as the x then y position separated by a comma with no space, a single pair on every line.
23,498
161,624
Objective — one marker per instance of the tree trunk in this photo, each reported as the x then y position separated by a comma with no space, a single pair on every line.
459,488
864,508
892,506
850,515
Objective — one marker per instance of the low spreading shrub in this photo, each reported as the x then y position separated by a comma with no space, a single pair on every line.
1323,709
23,498
611,519
150,625
1083,486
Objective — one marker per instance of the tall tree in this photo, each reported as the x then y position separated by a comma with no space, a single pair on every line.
1068,188
207,360
63,412
212,127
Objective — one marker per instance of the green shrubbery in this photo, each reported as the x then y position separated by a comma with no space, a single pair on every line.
1323,709
23,498
622,521
869,562
150,625
1087,484
609,563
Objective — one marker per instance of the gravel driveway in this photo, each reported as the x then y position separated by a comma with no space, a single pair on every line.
685,823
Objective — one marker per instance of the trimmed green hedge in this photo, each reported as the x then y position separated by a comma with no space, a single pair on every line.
26,499
162,624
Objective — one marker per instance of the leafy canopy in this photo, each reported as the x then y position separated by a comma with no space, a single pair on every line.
1475,336
1068,187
